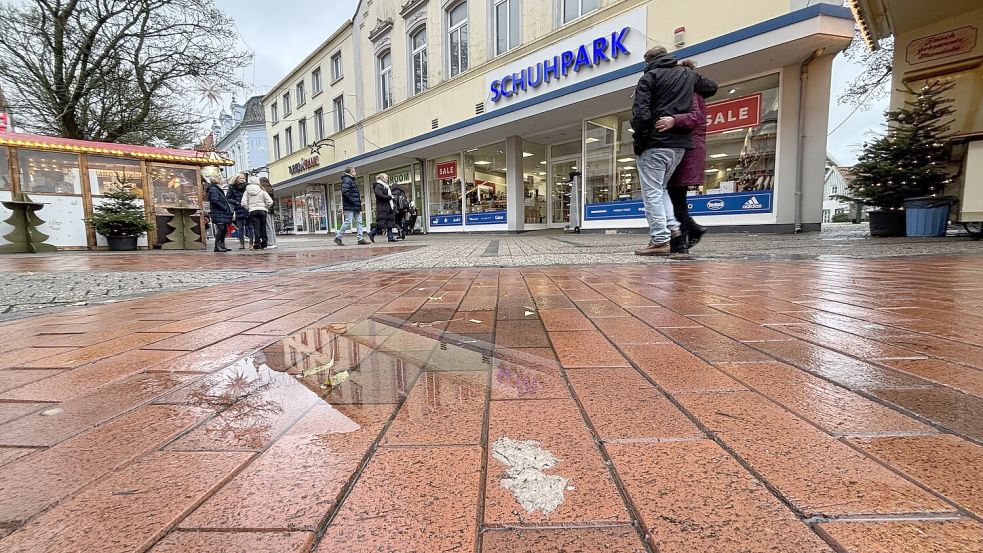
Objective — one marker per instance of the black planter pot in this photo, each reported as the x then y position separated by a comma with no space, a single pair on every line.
887,223
122,243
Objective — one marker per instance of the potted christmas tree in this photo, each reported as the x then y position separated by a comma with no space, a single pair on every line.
909,161
120,219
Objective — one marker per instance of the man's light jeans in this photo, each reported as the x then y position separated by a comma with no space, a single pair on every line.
655,166
349,215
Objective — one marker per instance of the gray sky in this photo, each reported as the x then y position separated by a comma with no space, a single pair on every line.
280,38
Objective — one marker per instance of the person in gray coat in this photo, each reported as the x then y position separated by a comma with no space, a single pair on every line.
264,183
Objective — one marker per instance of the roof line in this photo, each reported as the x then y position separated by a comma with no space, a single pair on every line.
775,23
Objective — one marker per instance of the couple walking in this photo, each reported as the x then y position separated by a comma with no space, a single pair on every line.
391,208
669,120
246,202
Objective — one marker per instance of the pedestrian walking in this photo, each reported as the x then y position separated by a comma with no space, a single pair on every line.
351,205
402,204
220,212
258,203
267,187
385,208
665,89
690,171
241,219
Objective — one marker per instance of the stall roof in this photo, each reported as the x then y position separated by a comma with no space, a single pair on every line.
148,153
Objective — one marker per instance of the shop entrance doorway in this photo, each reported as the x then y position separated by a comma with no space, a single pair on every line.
560,188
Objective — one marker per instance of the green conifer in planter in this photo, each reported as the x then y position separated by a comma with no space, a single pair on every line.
120,219
909,161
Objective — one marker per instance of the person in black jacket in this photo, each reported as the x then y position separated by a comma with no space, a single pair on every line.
351,205
219,211
385,208
243,228
665,89
401,203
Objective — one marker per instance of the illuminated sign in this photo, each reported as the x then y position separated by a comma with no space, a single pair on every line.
304,165
598,51
735,114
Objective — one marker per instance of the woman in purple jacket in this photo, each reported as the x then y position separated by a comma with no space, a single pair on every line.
690,170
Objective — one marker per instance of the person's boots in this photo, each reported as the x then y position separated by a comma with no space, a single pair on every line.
677,244
695,233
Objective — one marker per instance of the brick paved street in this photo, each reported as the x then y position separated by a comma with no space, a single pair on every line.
817,404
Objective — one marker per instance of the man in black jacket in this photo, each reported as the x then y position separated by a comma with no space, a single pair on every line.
351,204
665,89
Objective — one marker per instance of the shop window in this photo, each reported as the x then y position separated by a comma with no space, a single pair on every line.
507,28
106,174
336,69
274,116
457,38
572,9
6,182
173,185
609,170
485,186
444,183
318,124
418,47
742,137
316,82
534,183
339,113
385,63
49,172
301,96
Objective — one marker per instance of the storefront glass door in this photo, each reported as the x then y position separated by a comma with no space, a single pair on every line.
560,190
317,210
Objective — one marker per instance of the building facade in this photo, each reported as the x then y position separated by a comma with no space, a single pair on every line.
485,109
940,43
837,180
241,134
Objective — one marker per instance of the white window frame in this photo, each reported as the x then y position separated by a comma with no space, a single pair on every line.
339,114
385,80
450,33
580,11
340,73
274,113
318,124
511,4
417,87
276,147
302,132
288,140
317,85
301,94
286,103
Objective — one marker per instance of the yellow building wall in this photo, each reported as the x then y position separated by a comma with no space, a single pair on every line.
453,100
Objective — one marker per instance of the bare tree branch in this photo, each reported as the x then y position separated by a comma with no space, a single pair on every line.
872,82
115,70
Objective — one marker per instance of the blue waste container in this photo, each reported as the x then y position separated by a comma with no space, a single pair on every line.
928,216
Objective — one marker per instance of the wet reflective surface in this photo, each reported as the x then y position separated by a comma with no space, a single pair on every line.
560,409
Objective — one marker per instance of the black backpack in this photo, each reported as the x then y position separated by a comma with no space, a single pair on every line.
402,203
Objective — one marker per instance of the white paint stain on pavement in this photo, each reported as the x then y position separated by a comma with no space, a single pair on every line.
526,461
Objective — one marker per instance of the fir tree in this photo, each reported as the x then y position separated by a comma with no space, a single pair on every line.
910,159
119,215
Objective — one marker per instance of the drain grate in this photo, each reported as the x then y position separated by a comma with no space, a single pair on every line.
492,249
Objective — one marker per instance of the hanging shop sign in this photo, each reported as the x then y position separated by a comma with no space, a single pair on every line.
740,203
447,170
943,45
730,115
585,55
304,165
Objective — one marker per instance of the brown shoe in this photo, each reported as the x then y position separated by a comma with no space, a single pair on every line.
654,249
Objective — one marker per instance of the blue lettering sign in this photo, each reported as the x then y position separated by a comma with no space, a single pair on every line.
445,220
715,204
487,218
554,68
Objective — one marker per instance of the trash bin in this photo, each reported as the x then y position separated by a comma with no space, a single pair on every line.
928,215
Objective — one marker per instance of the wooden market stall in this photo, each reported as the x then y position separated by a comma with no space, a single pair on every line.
71,176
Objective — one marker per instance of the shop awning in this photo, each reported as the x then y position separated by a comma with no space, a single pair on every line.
147,153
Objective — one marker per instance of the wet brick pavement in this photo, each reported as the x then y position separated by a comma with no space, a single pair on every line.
784,405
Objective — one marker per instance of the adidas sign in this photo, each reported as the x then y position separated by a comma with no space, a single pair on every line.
752,203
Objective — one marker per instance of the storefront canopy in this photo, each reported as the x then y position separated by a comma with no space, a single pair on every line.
146,153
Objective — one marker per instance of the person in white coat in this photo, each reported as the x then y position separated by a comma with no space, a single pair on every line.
258,203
